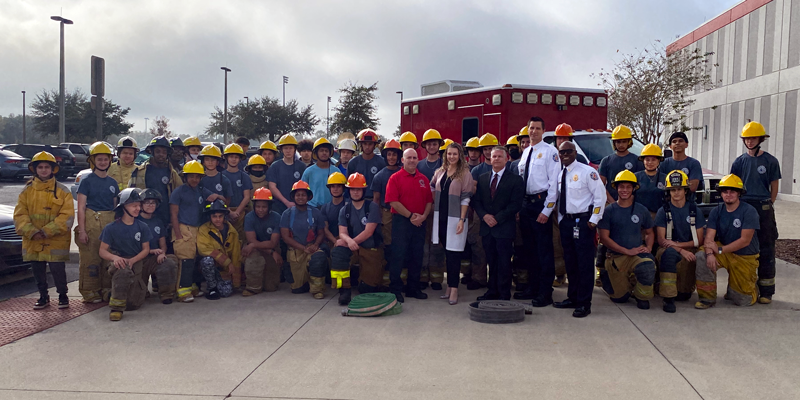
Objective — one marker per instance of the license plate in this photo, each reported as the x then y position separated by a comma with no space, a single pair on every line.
24,165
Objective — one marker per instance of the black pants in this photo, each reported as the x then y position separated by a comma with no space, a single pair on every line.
538,255
767,236
407,243
579,259
498,256
57,269
453,262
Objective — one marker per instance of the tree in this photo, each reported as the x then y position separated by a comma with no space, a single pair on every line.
356,109
649,92
80,120
161,127
11,129
263,117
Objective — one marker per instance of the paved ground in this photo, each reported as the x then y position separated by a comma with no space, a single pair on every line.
279,345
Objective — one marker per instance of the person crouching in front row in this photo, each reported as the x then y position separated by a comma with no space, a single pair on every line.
302,229
220,250
262,254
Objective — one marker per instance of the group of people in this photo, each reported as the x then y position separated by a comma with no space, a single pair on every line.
394,222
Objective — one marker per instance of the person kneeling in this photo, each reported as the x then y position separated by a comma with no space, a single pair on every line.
163,267
359,243
125,243
261,260
621,232
302,229
220,250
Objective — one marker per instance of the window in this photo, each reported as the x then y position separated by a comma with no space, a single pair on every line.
547,98
76,149
588,101
451,105
415,109
496,99
533,98
516,97
601,101
405,110
561,99
469,129
574,100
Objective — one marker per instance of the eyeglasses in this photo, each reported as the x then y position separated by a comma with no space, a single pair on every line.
566,152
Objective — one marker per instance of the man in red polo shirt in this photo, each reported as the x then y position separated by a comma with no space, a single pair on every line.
409,193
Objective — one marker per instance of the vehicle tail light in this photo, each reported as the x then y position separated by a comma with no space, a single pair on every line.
13,161
58,159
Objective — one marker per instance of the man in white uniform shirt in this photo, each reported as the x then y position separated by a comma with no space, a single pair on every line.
581,202
539,168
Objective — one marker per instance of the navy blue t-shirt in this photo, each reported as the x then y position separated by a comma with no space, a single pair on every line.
613,164
358,221
99,192
125,240
263,227
625,225
681,222
651,190
330,212
380,181
429,168
690,166
284,176
301,226
757,173
190,203
729,226
157,230
158,179
368,168
218,184
484,168
240,182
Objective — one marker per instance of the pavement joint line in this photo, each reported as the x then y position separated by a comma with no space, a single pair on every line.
277,349
660,352
107,392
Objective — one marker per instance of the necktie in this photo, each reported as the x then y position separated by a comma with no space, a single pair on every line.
562,206
493,188
527,165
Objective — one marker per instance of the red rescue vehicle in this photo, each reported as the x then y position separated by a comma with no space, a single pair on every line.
502,110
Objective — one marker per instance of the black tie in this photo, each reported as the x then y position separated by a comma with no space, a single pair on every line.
493,188
562,206
527,164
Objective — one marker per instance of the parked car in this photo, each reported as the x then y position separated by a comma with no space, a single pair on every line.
81,152
77,184
64,157
10,243
13,165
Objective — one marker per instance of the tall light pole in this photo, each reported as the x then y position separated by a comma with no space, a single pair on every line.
328,119
247,99
285,81
23,118
61,119
401,96
145,126
225,135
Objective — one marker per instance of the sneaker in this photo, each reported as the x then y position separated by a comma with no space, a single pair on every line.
187,299
765,299
319,296
63,301
643,304
213,294
115,315
44,301
703,305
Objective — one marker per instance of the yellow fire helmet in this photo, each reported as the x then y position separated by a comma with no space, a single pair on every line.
472,143
677,179
98,148
211,151
336,178
255,160
626,176
43,156
194,167
651,150
523,131
444,145
431,134
324,143
753,129
621,132
731,182
512,141
287,139
488,140
233,148
409,137
192,141
268,145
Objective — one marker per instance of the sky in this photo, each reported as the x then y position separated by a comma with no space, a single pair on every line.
164,57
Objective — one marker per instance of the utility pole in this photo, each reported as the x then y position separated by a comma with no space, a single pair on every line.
247,99
23,118
328,119
61,114
401,96
285,81
98,91
145,126
225,135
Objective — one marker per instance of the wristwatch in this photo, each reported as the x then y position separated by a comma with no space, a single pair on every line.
463,219
719,250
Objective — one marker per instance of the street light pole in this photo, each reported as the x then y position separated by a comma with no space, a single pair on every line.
285,81
247,99
61,115
401,96
23,118
225,135
328,119
145,125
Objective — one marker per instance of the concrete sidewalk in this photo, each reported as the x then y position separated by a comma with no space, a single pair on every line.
279,345
787,215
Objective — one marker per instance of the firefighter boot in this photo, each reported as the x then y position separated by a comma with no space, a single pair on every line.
317,286
344,296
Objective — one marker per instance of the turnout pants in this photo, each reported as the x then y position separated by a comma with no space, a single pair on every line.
57,269
767,236
186,252
477,266
127,287
407,244
676,274
629,274
166,274
308,269
371,268
433,266
742,278
262,272
537,249
94,282
578,259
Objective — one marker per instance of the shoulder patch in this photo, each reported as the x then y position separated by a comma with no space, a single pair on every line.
555,157
593,175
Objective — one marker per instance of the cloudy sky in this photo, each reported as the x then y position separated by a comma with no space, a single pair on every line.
164,57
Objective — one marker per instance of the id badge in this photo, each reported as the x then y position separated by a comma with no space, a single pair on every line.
576,231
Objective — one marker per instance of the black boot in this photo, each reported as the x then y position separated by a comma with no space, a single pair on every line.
344,296
213,294
643,304
302,289
669,305
436,286
63,301
44,301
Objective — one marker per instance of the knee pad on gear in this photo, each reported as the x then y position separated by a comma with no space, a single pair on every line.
94,271
317,264
669,261
340,258
645,272
187,273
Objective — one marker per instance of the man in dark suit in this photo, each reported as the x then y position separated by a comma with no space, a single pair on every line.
497,201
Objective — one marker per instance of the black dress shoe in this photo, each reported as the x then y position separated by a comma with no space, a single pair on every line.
526,295
488,296
436,286
565,304
521,287
466,280
541,302
399,296
417,295
581,312
475,285
423,285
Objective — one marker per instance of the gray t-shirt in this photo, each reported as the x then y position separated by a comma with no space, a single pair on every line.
429,168
358,221
301,223
368,168
729,226
757,173
613,164
682,230
626,224
284,176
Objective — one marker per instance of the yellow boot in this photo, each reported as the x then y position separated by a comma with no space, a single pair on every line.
115,315
317,286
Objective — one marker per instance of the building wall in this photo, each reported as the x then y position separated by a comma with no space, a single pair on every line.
757,78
